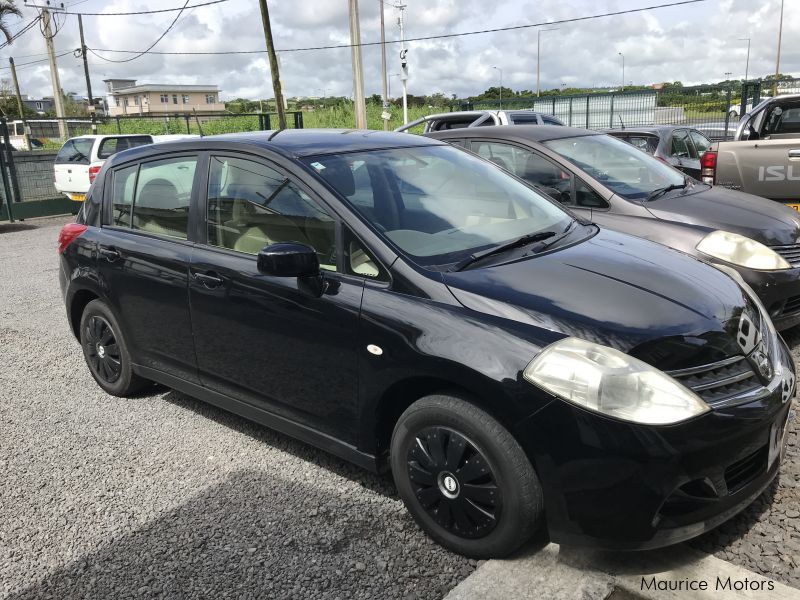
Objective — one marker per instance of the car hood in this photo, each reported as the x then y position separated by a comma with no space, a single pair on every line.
763,220
617,290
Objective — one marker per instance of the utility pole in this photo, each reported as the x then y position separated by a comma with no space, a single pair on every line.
20,105
778,60
47,30
273,66
85,62
403,61
384,78
539,54
501,86
623,70
359,106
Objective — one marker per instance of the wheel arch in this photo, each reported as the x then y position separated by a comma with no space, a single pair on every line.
401,394
77,305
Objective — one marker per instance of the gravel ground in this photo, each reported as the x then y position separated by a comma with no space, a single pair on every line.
163,495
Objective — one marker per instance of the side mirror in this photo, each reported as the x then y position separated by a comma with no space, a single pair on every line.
288,259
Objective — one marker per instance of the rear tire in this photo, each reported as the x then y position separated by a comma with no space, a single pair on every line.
106,351
464,478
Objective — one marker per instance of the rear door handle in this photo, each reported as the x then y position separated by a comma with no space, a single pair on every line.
794,153
210,279
110,254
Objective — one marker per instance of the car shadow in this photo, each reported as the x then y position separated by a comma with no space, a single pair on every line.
378,483
6,227
257,534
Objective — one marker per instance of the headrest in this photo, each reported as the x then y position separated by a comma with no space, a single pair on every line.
337,172
157,193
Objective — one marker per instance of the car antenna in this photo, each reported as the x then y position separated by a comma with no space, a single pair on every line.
199,127
621,122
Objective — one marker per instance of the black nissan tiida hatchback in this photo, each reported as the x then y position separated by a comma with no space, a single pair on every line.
405,305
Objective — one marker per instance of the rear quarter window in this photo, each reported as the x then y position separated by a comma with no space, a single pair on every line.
75,151
112,145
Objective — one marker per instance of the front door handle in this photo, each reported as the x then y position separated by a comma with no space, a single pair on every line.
210,280
109,253
794,153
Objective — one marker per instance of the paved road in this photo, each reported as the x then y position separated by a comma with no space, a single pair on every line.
164,496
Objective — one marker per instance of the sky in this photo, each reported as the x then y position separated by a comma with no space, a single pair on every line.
693,43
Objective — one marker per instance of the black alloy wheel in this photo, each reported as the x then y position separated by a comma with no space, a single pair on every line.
454,483
102,350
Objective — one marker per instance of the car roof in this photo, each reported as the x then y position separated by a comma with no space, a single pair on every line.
310,142
532,133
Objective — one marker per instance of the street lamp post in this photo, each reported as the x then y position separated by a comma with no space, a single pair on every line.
501,86
747,64
539,53
623,70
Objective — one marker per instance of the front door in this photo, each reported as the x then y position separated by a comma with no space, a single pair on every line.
271,341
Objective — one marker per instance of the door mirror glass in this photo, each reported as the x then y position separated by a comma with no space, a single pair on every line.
288,259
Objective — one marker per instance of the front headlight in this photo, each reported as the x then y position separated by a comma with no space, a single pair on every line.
742,251
612,383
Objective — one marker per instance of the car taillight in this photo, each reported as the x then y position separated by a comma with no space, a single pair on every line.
68,233
93,171
708,167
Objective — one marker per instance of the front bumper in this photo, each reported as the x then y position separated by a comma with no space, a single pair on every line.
618,485
779,291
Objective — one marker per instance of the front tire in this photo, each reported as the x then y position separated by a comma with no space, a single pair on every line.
106,351
464,478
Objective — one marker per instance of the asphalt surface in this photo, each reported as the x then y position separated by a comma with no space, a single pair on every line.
164,496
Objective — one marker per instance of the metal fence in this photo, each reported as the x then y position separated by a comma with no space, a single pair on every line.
28,176
714,110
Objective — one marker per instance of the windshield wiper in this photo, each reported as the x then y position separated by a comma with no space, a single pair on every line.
521,241
661,191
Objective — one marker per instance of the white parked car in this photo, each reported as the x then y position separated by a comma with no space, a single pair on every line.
80,159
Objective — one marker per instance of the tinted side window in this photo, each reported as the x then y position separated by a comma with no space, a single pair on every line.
525,119
251,206
110,146
163,190
122,190
75,151
681,147
701,142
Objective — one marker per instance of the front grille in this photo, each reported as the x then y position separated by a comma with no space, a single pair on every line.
790,252
743,471
721,381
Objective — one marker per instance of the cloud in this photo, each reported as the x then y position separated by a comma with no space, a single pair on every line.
693,44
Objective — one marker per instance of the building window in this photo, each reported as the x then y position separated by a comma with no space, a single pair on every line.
211,98
38,106
164,98
174,98
116,100
127,100
136,100
186,98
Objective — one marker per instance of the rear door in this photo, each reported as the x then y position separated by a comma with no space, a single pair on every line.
683,154
144,249
768,168
72,167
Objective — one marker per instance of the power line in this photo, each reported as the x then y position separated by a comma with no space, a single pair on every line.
143,52
22,31
415,39
146,12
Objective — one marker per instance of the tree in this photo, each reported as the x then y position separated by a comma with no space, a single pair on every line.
7,8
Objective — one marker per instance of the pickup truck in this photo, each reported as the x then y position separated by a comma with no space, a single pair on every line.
764,156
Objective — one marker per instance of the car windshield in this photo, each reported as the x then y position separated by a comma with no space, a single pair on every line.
616,164
438,204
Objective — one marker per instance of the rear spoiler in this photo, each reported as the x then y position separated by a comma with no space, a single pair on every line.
480,118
